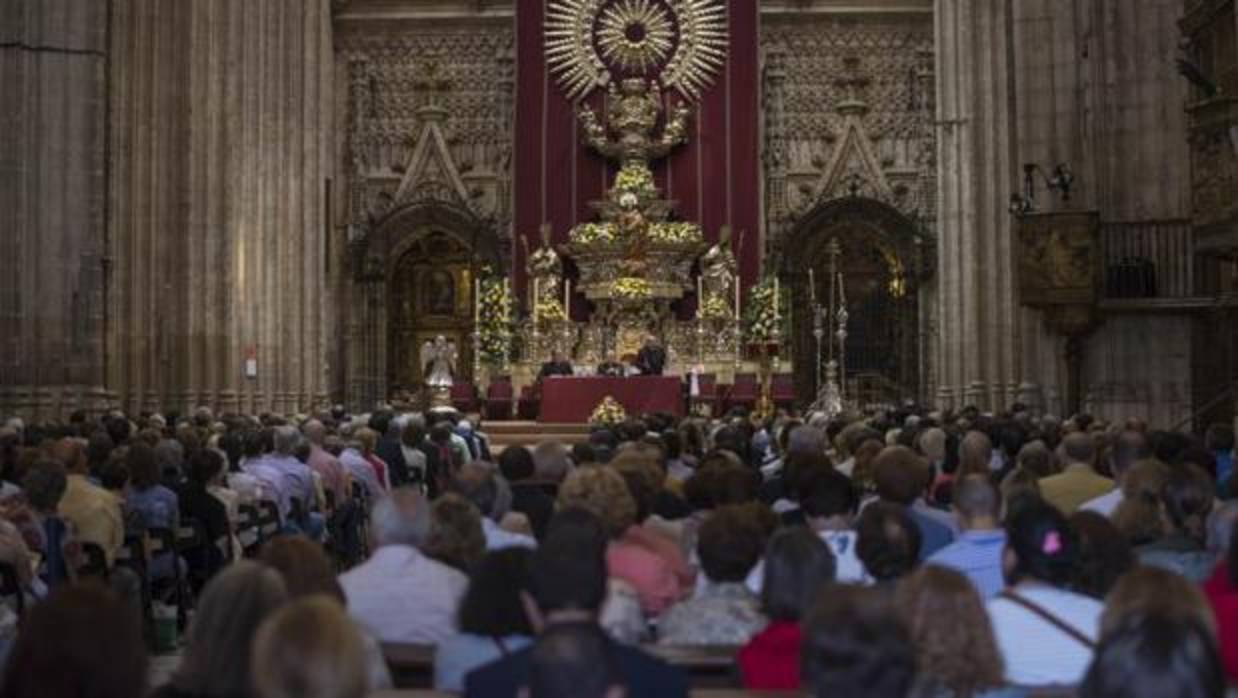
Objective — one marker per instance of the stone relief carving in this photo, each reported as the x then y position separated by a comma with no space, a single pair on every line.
849,109
446,91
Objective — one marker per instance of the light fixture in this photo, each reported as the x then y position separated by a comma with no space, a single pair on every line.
1060,180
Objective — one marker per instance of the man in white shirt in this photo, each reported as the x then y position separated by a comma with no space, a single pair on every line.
1130,448
400,595
480,484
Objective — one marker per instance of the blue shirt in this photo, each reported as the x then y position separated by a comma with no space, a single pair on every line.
460,654
934,535
978,555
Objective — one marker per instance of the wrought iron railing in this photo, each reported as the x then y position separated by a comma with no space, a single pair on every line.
1148,260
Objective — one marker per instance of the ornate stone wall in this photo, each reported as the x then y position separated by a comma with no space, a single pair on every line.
426,103
848,108
849,99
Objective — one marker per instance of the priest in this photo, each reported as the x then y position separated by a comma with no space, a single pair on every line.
557,366
651,359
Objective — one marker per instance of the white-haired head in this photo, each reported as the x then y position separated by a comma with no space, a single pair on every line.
401,518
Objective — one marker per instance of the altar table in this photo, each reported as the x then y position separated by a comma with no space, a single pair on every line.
569,399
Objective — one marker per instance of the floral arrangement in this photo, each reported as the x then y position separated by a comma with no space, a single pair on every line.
550,311
631,287
675,232
763,318
715,308
588,233
636,179
608,413
494,326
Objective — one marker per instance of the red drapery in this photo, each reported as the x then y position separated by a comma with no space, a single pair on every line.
713,177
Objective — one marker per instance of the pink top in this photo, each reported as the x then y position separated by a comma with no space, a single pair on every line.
653,566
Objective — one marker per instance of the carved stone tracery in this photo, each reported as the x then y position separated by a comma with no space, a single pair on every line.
848,112
457,80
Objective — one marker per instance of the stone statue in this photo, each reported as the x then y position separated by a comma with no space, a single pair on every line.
719,270
438,359
545,265
635,108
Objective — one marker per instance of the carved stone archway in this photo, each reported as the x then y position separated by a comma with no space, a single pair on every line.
885,258
388,312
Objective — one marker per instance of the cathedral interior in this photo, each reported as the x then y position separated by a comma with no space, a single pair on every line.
276,205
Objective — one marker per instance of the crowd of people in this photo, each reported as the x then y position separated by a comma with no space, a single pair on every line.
905,553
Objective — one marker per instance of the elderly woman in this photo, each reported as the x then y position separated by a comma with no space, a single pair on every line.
634,555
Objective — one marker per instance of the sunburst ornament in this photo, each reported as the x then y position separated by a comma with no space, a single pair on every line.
635,34
684,41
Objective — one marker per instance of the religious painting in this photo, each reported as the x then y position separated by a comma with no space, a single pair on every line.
438,292
1058,258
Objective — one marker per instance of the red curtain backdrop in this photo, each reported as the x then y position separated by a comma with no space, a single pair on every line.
713,178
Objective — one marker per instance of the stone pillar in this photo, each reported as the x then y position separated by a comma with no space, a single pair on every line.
221,153
978,336
53,109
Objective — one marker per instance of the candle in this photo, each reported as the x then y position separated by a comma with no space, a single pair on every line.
842,291
812,288
567,298
775,297
736,298
535,297
476,301
700,296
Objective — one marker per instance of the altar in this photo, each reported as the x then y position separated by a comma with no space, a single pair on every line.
571,399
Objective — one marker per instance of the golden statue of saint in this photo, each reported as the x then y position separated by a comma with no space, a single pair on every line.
635,108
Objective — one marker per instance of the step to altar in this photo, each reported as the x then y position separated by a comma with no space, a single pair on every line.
524,433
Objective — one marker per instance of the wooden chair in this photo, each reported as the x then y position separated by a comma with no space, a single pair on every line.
463,396
707,392
744,392
248,529
268,519
411,665
530,403
499,398
782,390
11,588
95,564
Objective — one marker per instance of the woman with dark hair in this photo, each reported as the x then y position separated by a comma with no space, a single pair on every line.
518,466
856,645
217,652
956,652
1186,501
206,467
1104,554
1045,631
82,642
492,618
798,564
154,505
1155,655
888,542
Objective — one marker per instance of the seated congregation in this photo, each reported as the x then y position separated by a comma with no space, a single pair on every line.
901,554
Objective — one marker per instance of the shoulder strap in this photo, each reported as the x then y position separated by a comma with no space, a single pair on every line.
1042,613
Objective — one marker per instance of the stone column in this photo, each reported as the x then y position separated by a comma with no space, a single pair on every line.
978,337
53,109
221,152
